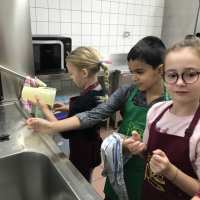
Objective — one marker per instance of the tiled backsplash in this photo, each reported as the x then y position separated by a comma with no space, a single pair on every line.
98,23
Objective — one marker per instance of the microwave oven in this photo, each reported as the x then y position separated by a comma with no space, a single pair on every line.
49,52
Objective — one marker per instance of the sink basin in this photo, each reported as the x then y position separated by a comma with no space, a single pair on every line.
32,167
32,176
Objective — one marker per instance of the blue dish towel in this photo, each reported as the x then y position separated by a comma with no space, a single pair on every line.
114,160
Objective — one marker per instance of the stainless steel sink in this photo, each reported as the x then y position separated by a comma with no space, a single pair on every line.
31,176
32,167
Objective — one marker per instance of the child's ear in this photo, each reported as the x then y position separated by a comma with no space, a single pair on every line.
161,69
85,73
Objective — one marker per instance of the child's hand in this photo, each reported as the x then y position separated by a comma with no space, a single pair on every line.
41,104
195,198
39,125
160,164
133,144
60,107
136,136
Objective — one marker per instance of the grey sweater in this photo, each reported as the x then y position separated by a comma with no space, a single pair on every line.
104,110
115,102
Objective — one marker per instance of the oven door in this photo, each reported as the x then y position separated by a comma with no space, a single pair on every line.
48,56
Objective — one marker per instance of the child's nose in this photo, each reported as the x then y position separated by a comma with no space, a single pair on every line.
134,77
180,81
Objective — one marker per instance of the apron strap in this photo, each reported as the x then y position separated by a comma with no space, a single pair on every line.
190,129
161,114
91,87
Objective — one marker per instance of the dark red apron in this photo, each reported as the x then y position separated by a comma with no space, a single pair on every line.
157,187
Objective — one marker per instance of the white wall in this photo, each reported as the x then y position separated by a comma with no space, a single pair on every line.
98,23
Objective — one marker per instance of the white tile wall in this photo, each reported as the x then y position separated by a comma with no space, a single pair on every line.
98,23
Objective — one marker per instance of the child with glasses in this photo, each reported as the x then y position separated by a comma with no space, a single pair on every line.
172,134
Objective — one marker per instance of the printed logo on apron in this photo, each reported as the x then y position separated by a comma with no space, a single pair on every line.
157,181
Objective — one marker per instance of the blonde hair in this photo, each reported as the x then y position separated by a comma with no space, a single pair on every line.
90,59
193,44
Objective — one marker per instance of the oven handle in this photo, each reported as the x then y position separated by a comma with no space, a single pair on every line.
53,42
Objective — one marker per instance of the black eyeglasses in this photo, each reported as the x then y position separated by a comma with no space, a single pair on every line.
189,76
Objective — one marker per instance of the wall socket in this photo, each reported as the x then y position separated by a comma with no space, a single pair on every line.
126,34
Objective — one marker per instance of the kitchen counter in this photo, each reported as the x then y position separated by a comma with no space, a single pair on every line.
36,154
64,85
121,68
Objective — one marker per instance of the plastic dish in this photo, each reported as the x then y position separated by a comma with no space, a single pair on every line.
61,115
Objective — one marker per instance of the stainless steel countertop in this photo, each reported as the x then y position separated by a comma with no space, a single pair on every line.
12,122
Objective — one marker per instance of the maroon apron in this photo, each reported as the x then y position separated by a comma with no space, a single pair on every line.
157,187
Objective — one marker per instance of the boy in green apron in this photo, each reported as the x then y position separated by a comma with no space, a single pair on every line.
134,100
144,62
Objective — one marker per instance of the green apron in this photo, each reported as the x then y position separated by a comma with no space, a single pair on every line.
134,118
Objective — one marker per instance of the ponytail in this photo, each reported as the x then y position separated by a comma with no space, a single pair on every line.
106,84
106,75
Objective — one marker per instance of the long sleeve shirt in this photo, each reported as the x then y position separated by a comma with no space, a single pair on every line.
115,102
105,110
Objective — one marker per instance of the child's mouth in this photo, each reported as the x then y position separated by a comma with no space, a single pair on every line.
181,92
